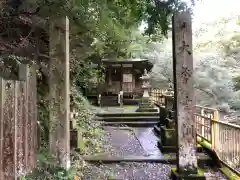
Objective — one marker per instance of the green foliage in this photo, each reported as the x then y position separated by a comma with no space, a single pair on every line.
90,143
108,22
216,72
90,130
46,169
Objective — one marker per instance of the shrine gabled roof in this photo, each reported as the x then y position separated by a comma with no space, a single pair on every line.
125,61
137,63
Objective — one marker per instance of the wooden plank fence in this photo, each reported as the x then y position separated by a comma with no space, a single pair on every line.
223,137
18,124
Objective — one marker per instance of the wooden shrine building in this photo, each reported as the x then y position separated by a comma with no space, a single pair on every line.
122,75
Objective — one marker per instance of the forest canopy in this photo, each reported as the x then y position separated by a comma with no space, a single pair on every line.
111,29
216,63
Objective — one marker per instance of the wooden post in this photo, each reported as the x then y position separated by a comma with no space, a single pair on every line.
121,80
184,97
2,100
9,138
59,91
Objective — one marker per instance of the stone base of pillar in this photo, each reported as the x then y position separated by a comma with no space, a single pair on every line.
163,115
157,129
168,136
145,102
176,176
146,106
166,149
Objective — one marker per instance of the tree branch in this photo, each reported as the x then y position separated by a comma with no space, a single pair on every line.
210,94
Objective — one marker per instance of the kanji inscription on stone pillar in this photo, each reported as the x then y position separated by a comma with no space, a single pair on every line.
184,93
59,90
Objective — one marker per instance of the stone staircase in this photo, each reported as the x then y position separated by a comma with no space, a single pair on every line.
165,155
113,101
132,119
145,120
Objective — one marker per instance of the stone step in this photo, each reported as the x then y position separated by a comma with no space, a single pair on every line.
147,110
132,123
169,158
130,114
131,101
172,149
126,119
110,105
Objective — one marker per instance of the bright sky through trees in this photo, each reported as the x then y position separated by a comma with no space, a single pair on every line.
207,11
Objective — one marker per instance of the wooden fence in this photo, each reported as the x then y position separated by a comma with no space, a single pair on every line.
18,124
224,137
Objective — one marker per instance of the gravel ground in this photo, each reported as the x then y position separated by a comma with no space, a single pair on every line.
129,171
123,142
213,174
138,171
141,171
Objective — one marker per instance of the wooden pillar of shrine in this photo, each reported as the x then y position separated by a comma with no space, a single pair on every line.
184,99
121,80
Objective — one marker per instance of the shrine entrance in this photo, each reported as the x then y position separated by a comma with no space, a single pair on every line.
122,76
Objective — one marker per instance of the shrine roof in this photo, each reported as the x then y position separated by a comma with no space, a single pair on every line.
137,63
125,61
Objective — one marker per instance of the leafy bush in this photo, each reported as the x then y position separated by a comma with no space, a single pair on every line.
47,169
90,143
90,129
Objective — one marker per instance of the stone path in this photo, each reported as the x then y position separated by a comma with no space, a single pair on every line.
124,141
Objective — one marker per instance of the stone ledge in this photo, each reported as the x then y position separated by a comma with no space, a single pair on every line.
132,123
172,149
164,158
147,109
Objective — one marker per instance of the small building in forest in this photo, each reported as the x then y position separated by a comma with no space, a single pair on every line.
121,75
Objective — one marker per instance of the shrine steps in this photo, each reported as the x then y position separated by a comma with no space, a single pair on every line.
131,114
126,119
113,101
168,158
131,119
143,120
132,123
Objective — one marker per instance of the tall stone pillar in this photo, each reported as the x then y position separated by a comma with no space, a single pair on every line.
184,98
59,90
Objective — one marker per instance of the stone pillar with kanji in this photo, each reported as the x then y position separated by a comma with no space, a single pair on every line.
184,99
